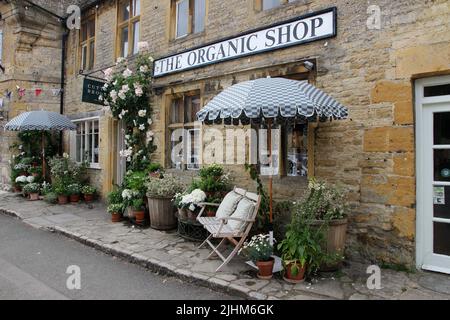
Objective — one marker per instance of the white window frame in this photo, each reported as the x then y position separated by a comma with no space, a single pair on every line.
73,151
177,3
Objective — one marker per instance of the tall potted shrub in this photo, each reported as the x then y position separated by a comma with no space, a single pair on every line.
160,193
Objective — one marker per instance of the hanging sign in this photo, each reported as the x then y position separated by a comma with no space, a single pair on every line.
92,90
304,29
439,195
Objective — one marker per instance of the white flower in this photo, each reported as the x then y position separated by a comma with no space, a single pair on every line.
66,156
139,91
150,121
127,137
20,147
142,127
21,179
144,69
125,88
108,74
105,87
30,179
128,194
113,94
127,73
122,95
143,46
142,113
100,98
151,59
150,135
126,153
120,60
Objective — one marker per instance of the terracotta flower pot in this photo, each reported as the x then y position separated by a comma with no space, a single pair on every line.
291,278
34,196
75,198
211,213
265,269
89,198
140,216
116,217
62,200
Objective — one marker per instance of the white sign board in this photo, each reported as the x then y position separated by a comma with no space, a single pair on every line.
308,28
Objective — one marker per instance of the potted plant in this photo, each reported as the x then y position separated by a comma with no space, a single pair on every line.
182,211
138,210
155,170
74,190
326,206
115,210
21,181
160,193
260,251
88,193
32,190
191,203
62,192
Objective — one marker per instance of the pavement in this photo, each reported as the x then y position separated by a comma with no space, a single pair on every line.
167,254
33,266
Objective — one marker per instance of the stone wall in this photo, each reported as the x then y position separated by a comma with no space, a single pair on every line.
369,70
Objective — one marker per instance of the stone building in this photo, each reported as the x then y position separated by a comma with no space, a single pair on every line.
387,61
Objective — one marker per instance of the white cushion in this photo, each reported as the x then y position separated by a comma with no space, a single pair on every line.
244,210
228,205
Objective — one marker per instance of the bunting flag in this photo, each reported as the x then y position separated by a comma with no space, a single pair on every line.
38,92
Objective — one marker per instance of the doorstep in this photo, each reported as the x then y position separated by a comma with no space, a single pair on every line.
166,253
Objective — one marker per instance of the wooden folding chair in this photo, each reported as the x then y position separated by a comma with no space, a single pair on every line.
237,237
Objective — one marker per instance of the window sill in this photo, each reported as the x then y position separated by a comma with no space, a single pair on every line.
95,167
187,37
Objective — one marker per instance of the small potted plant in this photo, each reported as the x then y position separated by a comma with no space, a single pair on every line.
138,210
21,181
192,201
32,190
116,210
260,251
88,193
74,192
62,192
155,170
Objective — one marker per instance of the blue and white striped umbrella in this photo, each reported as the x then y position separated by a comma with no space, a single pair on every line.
40,121
271,98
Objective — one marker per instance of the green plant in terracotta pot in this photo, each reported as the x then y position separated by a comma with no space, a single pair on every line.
88,193
63,194
260,251
138,207
116,211
33,190
74,191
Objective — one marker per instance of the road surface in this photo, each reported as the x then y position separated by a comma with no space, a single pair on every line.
33,265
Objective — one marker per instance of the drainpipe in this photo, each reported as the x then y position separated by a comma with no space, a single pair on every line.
63,80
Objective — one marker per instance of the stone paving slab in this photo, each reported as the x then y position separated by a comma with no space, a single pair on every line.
167,253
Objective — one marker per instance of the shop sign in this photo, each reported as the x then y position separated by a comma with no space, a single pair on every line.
92,90
308,28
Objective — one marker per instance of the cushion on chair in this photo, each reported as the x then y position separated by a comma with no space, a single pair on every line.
244,210
228,205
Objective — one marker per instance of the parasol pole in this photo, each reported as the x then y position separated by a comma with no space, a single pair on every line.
269,133
43,158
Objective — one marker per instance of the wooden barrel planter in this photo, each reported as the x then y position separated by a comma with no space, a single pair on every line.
162,214
335,235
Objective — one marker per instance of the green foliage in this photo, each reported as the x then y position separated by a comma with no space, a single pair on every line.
87,189
115,197
66,171
137,204
283,211
32,188
263,219
46,189
51,198
213,180
60,188
167,187
135,181
258,249
155,168
74,189
115,208
127,93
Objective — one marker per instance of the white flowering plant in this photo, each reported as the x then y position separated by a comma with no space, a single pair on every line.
191,200
259,248
126,94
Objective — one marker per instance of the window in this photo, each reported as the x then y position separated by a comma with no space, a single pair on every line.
270,4
182,117
85,144
129,27
189,17
87,43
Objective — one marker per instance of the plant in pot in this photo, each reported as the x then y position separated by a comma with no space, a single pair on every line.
191,202
21,181
182,211
74,191
88,193
327,208
260,251
116,211
155,170
63,194
160,193
33,190
138,207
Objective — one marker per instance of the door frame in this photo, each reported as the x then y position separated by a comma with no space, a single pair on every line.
421,103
